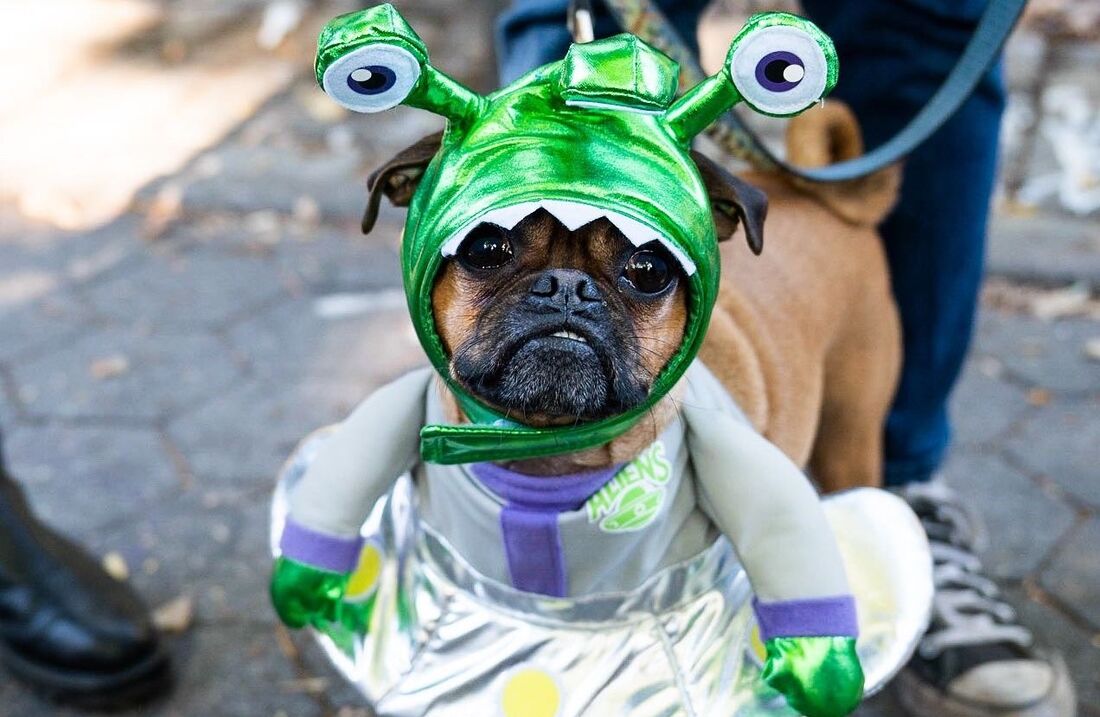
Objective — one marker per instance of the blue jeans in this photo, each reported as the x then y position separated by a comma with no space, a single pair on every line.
893,56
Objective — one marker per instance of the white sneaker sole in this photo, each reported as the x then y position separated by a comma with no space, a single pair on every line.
920,699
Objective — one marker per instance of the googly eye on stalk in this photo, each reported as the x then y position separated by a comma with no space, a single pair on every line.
372,60
781,64
372,78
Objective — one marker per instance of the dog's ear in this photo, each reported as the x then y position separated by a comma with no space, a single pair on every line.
732,200
398,178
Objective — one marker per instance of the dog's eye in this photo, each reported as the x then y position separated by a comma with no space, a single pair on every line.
486,247
648,271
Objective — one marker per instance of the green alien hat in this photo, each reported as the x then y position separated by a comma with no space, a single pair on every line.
600,133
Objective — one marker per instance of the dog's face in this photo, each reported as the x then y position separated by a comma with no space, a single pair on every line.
554,326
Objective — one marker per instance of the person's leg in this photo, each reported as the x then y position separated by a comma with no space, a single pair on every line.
893,56
531,33
66,627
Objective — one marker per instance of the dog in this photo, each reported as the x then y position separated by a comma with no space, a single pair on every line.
555,326
552,322
805,337
595,480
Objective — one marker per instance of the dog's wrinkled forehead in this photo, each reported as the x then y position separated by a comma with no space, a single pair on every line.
572,215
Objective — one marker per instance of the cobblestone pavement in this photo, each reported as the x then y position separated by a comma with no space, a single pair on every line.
155,371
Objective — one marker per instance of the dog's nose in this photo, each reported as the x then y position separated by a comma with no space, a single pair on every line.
563,289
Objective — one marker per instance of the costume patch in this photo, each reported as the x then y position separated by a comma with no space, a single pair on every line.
530,692
633,498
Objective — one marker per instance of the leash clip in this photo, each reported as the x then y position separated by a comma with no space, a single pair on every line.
579,21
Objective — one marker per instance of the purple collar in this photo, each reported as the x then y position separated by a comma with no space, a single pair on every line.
543,493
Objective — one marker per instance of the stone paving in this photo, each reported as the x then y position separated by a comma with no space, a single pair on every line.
155,371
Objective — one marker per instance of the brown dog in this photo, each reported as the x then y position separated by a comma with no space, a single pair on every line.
805,336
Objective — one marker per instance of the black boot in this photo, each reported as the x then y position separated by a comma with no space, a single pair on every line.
67,628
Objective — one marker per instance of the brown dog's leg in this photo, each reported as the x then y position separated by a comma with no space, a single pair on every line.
861,373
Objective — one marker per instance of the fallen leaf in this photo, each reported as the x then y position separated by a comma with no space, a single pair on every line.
348,711
1038,397
990,366
307,210
280,19
115,566
1092,349
174,51
263,225
286,643
109,367
320,107
175,616
1043,302
1057,303
309,685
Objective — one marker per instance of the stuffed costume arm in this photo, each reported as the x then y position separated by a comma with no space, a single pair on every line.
772,515
354,468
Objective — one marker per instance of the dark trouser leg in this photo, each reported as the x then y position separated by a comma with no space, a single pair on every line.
893,56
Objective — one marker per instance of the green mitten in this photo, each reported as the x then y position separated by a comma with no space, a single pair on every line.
305,595
819,676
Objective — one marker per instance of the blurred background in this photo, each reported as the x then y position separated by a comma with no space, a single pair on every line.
184,293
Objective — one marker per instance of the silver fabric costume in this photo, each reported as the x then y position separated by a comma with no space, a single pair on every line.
423,634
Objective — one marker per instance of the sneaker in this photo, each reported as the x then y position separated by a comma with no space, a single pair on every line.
976,660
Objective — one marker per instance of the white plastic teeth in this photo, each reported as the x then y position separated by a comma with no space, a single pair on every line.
570,335
573,215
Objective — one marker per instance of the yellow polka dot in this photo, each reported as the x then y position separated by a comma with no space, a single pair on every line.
757,645
364,580
530,693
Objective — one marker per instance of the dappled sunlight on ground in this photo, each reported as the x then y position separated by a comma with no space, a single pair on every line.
92,115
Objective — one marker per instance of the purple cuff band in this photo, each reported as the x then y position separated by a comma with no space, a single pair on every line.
813,617
320,550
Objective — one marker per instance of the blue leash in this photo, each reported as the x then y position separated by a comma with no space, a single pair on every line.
644,19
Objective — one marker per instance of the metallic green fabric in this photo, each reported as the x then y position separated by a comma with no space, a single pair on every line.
600,128
620,71
305,595
381,23
819,676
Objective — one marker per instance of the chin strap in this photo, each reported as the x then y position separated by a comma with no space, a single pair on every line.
492,437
